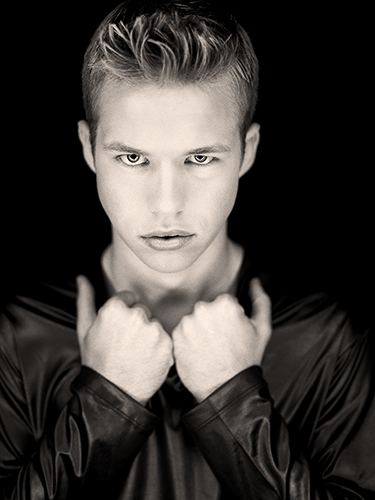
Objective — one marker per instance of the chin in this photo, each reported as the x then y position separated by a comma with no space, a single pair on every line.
169,262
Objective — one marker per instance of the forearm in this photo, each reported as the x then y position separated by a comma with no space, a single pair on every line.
91,447
247,444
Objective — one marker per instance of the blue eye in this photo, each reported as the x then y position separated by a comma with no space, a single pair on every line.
132,159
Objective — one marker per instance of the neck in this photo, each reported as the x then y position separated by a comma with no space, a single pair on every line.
213,273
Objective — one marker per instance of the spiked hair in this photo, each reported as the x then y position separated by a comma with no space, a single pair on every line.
166,41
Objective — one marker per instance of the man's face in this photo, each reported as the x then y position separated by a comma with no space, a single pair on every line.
168,160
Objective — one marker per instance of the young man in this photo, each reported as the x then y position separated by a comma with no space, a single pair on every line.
159,394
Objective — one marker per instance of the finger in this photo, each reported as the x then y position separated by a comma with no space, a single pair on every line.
130,299
145,309
86,309
261,306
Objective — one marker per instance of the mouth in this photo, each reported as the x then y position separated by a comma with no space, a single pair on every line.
167,240
171,233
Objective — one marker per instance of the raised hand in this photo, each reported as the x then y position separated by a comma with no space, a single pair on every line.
218,341
122,343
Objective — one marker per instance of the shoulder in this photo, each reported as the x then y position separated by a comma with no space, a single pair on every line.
314,327
37,328
305,313
39,353
315,310
54,299
316,349
35,306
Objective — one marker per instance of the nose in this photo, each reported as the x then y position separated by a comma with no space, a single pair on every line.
168,192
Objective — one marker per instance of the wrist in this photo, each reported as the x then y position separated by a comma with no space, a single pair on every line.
203,391
245,382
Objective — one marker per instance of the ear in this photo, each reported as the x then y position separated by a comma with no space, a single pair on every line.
251,146
84,137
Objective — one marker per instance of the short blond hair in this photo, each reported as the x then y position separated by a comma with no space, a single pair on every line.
186,41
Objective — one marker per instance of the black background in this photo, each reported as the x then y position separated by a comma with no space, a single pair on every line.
305,207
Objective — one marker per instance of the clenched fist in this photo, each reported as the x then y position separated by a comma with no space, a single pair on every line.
218,341
121,343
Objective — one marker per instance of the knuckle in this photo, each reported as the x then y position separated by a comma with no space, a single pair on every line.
108,310
114,303
227,298
230,303
200,305
102,313
111,309
139,313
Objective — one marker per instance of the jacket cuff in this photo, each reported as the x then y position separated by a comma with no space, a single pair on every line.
237,388
107,393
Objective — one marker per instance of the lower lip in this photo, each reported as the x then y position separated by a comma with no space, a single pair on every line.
163,244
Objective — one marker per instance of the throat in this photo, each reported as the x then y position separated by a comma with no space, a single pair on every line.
171,310
170,301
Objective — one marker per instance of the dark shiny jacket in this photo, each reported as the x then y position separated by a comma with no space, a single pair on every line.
301,427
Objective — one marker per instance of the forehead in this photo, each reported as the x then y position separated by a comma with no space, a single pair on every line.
167,114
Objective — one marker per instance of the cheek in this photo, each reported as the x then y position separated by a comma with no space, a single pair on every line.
230,189
229,198
117,200
220,199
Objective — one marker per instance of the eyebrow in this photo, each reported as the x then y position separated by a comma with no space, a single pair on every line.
215,148
123,148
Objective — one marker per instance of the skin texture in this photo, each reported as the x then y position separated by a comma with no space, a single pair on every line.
218,341
172,191
122,343
169,158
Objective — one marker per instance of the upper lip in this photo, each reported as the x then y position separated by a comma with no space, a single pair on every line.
166,234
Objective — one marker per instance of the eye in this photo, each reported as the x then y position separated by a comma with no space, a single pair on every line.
132,159
200,159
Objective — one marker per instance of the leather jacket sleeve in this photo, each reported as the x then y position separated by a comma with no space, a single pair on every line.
86,454
254,454
67,432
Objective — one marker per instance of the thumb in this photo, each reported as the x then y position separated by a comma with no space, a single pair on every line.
86,310
261,307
